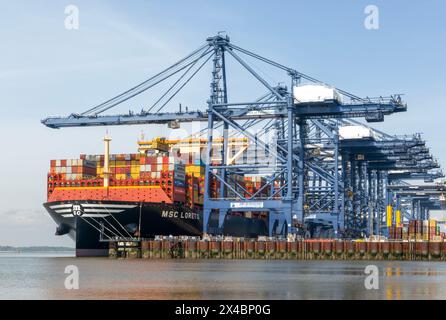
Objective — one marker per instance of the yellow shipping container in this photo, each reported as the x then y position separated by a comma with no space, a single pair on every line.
195,169
121,176
135,175
134,169
198,175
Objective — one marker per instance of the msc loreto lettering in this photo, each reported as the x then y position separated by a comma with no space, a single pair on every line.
180,215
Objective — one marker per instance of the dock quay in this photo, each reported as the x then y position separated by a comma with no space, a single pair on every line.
279,249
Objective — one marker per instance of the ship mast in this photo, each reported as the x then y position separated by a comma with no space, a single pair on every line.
107,140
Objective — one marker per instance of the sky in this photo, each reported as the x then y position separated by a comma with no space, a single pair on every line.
46,69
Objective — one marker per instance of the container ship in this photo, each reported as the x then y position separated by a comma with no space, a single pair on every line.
158,191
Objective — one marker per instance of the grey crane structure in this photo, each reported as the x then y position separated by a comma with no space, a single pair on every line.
317,183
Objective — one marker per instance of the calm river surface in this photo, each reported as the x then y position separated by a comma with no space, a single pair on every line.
42,276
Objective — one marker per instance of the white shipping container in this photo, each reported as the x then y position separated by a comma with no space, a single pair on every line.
57,163
68,170
315,93
355,132
142,168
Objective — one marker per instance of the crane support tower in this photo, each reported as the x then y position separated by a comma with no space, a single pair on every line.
323,179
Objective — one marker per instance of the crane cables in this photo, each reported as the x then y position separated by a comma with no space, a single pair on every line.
179,81
292,71
149,83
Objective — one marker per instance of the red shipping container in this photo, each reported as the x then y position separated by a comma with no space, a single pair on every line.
179,194
63,163
53,163
75,170
180,190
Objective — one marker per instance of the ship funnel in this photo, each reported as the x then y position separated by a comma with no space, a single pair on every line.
107,140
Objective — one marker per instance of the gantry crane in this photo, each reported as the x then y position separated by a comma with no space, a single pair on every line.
306,172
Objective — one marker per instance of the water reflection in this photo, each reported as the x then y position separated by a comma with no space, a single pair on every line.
43,278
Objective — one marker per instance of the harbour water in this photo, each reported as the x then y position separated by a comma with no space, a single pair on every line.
42,276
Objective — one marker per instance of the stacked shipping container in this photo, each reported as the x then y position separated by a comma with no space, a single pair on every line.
195,184
124,169
255,184
121,166
181,173
163,169
73,169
